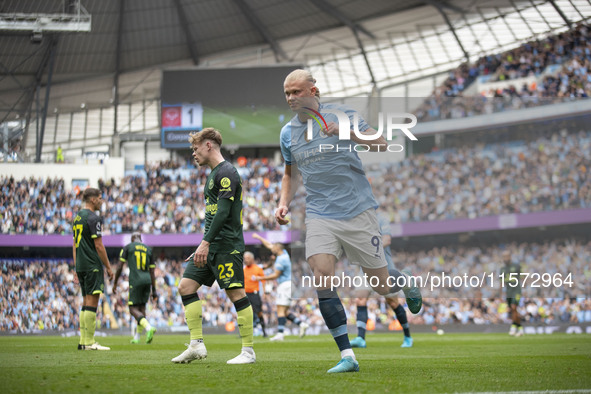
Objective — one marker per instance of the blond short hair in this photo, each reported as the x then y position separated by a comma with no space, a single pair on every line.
302,75
208,133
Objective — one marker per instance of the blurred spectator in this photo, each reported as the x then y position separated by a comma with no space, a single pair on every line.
518,177
572,49
166,198
40,294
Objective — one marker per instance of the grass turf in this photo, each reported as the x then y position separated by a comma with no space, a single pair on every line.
449,363
259,128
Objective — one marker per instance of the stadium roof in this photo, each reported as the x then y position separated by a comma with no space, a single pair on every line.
353,45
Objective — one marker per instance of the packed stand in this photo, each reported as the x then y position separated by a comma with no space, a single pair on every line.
160,199
41,295
572,49
518,177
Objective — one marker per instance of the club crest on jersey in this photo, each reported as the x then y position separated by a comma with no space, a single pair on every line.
225,182
210,186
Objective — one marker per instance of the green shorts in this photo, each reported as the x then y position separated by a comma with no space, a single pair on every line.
514,300
91,282
224,268
139,294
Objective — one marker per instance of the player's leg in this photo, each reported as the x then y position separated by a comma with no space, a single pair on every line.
282,302
261,317
140,298
302,324
361,240
137,315
294,319
511,313
323,248
402,319
81,320
135,333
259,312
281,319
332,311
518,316
92,301
362,317
255,302
245,325
388,282
227,269
82,324
515,318
193,316
95,285
136,311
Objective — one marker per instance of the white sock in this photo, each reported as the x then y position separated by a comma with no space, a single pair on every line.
134,330
248,349
348,352
194,342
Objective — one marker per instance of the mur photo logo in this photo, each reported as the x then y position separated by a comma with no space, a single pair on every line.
345,126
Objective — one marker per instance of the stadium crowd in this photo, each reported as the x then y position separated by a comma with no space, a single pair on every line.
519,177
570,50
162,199
38,295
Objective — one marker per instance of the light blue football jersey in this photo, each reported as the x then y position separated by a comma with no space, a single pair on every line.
335,183
283,264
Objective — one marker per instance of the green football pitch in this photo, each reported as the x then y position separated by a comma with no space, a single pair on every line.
448,363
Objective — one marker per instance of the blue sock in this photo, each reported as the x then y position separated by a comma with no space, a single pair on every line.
361,320
281,324
334,316
401,316
293,318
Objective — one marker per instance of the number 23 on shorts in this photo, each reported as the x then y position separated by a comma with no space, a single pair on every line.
225,270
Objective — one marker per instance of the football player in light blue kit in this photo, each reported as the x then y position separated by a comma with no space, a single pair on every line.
340,206
282,273
392,301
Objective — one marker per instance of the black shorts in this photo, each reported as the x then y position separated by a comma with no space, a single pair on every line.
91,282
139,294
224,268
255,302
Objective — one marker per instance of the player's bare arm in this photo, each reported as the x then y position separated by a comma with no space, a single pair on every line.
283,207
272,276
200,255
74,259
270,263
265,242
117,275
